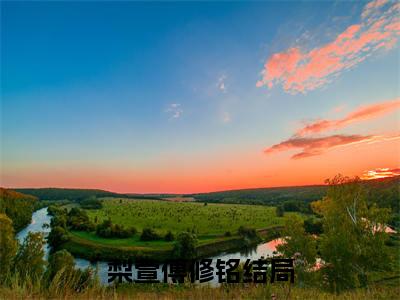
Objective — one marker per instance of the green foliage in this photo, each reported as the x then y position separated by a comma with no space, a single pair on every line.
18,207
353,242
385,192
60,261
8,247
79,220
76,195
185,245
313,225
247,232
57,236
79,195
91,203
148,234
54,210
169,236
298,243
266,196
280,211
109,230
29,261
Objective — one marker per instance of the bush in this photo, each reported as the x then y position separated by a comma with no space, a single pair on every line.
57,236
59,220
149,234
91,203
228,233
169,236
280,210
79,220
247,232
109,230
185,245
313,226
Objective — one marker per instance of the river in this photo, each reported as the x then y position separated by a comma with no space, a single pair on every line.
40,218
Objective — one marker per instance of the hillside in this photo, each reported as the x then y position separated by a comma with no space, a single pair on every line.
17,206
385,192
76,195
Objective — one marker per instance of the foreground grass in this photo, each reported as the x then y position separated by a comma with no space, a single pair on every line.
161,291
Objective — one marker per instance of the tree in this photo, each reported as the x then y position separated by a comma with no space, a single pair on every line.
57,236
29,262
17,206
185,245
300,246
169,236
313,225
8,246
62,274
149,234
60,261
353,242
280,211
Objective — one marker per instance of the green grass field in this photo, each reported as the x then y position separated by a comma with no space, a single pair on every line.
205,220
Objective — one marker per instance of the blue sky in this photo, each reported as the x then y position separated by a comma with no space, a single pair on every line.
134,87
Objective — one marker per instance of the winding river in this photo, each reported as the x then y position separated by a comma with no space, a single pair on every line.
40,218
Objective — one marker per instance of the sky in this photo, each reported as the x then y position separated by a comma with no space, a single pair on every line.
187,97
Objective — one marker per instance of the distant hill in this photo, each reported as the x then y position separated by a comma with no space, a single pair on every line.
76,195
262,195
384,191
17,206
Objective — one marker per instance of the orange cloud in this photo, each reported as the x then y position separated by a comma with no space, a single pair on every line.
360,114
312,146
380,173
299,71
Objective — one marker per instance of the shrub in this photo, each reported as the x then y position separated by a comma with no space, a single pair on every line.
149,234
247,232
109,230
280,210
185,245
313,226
91,203
79,220
57,236
169,236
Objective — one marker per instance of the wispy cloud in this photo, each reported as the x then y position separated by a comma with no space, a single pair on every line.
298,70
174,110
226,117
380,173
362,113
311,146
221,85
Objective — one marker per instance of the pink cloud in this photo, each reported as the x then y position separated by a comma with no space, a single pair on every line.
300,71
380,173
311,146
360,114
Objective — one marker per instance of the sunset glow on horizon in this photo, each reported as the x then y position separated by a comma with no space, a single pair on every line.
183,97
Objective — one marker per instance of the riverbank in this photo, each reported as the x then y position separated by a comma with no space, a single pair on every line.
94,251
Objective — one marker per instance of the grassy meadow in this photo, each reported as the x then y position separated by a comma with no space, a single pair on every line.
204,220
